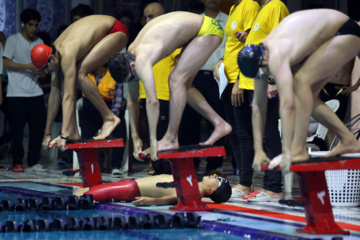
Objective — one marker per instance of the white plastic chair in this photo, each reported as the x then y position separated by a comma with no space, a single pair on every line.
321,130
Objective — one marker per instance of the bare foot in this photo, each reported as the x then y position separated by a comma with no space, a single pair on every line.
166,144
343,147
300,157
220,131
74,137
147,153
81,191
58,142
108,127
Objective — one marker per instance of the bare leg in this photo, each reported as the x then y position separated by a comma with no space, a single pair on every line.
98,56
303,109
73,128
191,60
92,93
177,105
328,118
221,128
312,76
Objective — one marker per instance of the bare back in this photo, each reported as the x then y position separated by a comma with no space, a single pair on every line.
164,34
301,33
81,36
147,186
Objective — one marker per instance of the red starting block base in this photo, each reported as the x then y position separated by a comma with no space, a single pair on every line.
318,210
182,165
315,195
87,157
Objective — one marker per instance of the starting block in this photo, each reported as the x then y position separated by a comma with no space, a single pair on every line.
88,160
315,195
185,180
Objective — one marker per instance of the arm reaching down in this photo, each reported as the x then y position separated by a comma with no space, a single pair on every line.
145,73
284,81
68,64
258,120
54,102
133,107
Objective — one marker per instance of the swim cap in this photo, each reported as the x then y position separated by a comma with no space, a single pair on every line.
222,193
40,55
249,59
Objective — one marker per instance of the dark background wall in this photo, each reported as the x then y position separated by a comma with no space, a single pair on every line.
57,12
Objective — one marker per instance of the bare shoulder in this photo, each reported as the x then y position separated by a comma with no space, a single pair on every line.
181,15
178,18
89,25
95,19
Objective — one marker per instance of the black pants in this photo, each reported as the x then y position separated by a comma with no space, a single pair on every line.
189,130
241,138
30,110
272,145
91,121
161,166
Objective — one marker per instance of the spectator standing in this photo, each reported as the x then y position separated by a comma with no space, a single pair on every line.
269,16
24,95
237,101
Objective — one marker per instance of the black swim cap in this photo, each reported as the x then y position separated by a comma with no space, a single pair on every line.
222,194
249,59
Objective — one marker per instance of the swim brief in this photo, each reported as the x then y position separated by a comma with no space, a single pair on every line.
119,27
349,28
211,27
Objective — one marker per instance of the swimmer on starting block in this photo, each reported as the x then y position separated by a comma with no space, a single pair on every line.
143,191
302,53
83,47
200,36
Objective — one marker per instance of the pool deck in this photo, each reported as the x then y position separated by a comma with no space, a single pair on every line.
251,220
